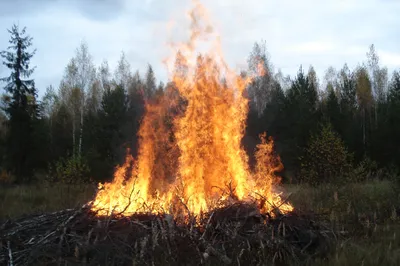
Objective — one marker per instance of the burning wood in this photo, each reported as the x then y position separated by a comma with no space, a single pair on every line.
192,156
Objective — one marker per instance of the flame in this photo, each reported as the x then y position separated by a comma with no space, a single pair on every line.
190,156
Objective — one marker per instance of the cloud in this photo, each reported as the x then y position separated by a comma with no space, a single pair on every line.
93,9
309,32
319,47
389,59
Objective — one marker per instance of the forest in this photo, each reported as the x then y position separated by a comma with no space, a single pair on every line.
344,126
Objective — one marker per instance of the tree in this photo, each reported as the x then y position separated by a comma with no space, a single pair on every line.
104,76
326,158
347,88
3,134
378,75
393,121
22,109
283,81
273,121
150,83
122,74
93,99
160,89
379,80
333,110
365,100
61,133
107,147
135,111
260,67
49,102
302,115
75,87
330,77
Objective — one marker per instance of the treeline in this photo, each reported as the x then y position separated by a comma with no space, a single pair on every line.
79,131
326,130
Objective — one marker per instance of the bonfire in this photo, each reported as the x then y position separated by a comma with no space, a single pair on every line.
190,196
198,162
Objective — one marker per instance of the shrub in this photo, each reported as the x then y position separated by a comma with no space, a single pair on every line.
70,170
326,158
365,170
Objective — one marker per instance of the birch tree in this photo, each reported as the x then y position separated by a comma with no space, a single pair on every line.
364,97
78,80
259,66
379,80
122,74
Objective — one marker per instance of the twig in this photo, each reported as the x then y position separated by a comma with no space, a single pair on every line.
129,201
11,263
207,226
187,209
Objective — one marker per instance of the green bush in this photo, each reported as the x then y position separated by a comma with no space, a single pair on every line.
70,170
326,159
365,170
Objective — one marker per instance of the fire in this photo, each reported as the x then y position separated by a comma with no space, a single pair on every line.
190,154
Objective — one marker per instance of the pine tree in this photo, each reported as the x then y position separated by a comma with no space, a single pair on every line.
301,114
22,109
393,120
150,85
333,110
109,138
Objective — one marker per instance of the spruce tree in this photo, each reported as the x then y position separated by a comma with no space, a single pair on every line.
22,109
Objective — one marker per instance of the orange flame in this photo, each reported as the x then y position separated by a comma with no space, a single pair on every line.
190,142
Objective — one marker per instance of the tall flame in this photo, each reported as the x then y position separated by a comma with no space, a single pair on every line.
190,151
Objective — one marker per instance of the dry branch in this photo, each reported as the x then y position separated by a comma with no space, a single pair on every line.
238,233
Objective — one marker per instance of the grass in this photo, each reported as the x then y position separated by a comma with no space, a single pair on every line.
17,201
368,212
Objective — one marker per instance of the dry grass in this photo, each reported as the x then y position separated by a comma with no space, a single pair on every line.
367,211
16,201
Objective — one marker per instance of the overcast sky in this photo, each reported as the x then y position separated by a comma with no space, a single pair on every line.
321,33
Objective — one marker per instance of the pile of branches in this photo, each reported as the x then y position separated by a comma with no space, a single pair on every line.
237,234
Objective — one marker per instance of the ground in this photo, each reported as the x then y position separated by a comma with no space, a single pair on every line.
365,214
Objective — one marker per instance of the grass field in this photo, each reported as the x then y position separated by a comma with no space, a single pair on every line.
366,213
16,201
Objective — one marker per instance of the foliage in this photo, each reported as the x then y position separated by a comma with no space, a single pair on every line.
70,170
326,159
22,107
366,169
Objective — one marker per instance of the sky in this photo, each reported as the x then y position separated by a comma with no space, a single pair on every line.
308,32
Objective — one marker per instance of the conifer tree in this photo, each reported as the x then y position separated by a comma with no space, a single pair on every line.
22,108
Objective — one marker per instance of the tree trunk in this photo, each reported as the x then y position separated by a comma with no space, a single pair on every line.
364,138
81,131
73,135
